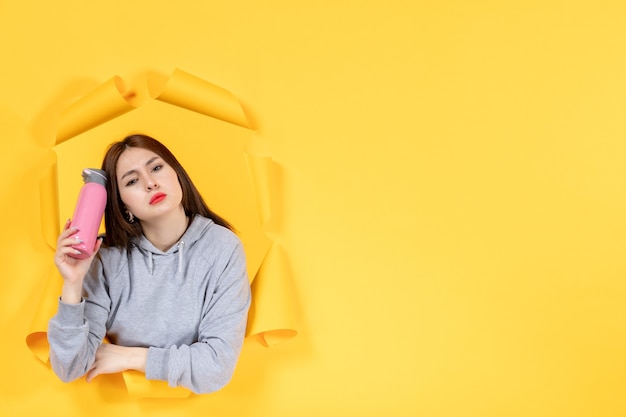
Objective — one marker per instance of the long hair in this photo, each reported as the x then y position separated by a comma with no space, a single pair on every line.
119,232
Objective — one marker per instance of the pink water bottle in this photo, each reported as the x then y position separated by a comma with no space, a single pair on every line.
89,211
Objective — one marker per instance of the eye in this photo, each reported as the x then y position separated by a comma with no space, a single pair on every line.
157,167
131,182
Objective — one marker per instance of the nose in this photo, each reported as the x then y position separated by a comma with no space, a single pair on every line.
151,185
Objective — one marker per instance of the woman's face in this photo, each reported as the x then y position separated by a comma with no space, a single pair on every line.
148,187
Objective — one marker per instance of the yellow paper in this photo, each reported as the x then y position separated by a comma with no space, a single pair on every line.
37,338
49,205
140,387
106,102
192,93
260,170
273,312
272,316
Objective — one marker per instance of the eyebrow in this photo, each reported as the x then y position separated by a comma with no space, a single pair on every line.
132,171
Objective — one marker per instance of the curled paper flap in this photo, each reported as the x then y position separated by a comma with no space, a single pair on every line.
260,175
140,387
106,102
272,316
37,339
49,205
192,93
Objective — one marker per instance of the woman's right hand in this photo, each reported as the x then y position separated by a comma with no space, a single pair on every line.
73,270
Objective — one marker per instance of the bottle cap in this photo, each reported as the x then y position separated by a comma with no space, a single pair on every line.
94,175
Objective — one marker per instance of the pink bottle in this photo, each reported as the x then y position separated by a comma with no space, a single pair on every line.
89,211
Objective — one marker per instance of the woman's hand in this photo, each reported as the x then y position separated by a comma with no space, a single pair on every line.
72,270
111,359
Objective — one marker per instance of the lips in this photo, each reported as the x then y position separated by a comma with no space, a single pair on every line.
157,198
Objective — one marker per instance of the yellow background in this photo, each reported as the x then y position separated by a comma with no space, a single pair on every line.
452,196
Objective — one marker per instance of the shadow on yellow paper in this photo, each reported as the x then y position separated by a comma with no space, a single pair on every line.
206,128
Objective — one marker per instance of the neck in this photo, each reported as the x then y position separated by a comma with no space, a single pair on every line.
165,233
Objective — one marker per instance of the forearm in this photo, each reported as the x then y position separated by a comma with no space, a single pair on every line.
72,348
114,358
137,357
199,367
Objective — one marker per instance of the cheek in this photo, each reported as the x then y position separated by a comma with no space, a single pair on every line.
127,196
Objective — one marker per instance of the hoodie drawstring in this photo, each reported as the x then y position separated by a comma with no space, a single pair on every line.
150,262
180,245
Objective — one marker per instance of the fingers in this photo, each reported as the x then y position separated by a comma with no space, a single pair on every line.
66,241
95,369
109,359
67,230
67,250
65,236
96,247
93,372
98,244
70,240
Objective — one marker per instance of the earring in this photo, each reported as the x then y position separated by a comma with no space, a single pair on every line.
130,217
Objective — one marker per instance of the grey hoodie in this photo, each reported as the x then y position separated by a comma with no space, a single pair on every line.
188,305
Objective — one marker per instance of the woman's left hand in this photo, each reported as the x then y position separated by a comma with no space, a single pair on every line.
111,359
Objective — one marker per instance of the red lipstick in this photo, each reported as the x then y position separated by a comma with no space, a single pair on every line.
157,198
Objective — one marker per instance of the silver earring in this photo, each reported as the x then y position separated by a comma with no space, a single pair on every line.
130,217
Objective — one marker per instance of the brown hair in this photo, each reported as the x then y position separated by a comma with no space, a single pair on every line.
119,232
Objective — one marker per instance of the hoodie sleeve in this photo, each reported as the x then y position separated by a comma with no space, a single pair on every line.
76,331
207,365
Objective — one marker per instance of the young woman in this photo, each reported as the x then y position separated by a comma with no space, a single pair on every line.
168,286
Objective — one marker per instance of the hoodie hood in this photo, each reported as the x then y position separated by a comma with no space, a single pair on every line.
198,226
